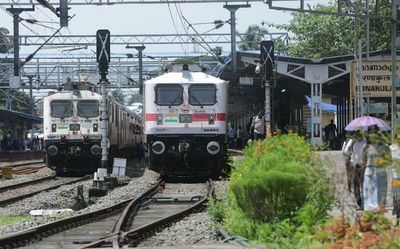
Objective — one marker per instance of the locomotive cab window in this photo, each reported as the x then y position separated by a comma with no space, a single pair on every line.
88,108
169,95
61,108
200,95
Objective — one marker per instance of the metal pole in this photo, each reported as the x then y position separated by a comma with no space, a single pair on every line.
268,107
233,38
232,9
357,93
31,104
360,79
140,50
394,66
16,41
30,80
103,122
140,55
367,28
15,12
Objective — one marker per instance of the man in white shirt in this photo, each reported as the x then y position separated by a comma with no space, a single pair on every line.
355,149
259,126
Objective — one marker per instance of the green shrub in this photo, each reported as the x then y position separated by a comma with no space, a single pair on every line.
273,181
278,192
216,209
6,220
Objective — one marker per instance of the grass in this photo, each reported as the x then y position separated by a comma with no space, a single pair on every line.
6,220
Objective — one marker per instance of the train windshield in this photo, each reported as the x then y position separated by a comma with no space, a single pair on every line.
169,95
61,109
202,94
88,108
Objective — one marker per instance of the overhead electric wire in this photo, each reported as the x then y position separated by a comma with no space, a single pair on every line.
176,29
177,6
204,41
32,16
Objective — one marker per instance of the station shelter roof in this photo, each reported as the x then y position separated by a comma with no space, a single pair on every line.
10,117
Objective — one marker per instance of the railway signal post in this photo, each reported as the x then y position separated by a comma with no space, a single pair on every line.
267,61
103,60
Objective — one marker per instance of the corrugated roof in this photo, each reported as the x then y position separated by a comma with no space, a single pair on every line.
7,114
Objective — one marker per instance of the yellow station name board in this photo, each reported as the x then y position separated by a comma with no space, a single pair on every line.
376,79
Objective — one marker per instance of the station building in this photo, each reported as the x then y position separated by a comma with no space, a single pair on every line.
14,128
308,93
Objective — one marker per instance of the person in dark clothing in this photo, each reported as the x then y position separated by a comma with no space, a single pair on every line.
330,133
250,129
140,151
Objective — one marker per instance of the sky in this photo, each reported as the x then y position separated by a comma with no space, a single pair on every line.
151,19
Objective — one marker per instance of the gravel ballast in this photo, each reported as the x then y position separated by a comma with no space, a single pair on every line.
24,178
55,199
196,229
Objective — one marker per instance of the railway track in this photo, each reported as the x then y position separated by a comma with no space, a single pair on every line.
150,215
21,163
124,223
24,167
24,190
23,184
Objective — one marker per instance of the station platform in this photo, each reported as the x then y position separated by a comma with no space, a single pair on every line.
20,155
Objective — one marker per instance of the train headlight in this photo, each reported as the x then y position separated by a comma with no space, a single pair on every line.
159,119
95,127
53,127
213,148
211,119
95,149
158,147
52,150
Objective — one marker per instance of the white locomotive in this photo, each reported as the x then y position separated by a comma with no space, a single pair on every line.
72,129
185,124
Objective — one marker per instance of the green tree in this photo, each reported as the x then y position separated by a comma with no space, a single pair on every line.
254,34
217,50
118,95
316,36
5,42
19,100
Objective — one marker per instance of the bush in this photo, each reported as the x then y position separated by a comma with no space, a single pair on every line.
216,209
275,178
279,192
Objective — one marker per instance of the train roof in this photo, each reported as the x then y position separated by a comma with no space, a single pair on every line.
81,94
185,77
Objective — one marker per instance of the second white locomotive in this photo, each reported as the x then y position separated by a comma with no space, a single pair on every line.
72,129
185,124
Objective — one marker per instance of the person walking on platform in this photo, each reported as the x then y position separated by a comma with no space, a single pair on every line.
376,157
355,148
347,158
239,137
140,151
258,125
330,133
231,136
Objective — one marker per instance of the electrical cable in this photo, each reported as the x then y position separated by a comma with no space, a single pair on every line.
173,22
177,6
208,49
32,16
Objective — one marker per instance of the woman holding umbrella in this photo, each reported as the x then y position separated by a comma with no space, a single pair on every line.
376,157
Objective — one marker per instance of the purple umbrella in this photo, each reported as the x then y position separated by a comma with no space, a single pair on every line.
362,123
